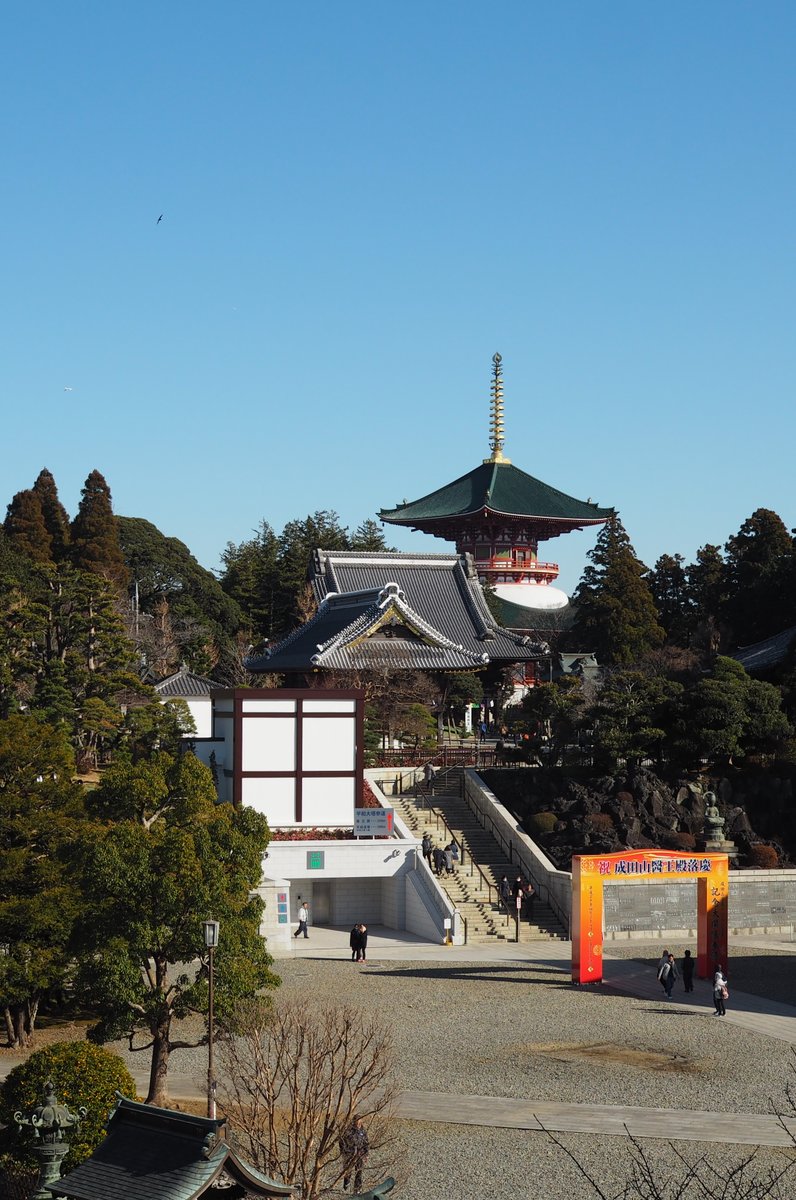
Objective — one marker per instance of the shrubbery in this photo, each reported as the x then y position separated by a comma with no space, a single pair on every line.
602,822
763,857
541,823
83,1074
679,841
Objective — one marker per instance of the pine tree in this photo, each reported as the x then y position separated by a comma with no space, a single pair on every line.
616,617
668,585
25,527
756,557
56,518
707,584
95,538
369,537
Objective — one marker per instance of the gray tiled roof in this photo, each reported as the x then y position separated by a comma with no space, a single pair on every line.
772,651
185,683
155,1154
431,604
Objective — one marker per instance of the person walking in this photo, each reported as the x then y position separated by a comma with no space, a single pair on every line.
439,859
362,955
356,944
530,892
448,856
429,771
720,991
688,971
427,846
354,1147
504,891
668,974
303,918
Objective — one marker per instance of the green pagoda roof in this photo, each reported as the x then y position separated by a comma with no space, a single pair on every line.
499,488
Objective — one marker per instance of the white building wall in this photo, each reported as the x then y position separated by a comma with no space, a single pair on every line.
202,712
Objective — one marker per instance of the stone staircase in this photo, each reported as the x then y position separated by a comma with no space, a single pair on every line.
443,811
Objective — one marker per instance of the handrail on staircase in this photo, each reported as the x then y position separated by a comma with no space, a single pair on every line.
420,795
514,855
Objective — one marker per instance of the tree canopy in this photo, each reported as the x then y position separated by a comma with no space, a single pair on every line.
40,808
162,857
615,610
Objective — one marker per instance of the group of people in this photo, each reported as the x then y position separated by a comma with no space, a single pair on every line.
516,897
359,943
441,860
668,973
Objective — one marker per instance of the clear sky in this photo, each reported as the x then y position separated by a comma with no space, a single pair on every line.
361,203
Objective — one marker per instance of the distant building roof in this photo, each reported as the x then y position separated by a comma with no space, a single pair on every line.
771,652
397,611
156,1154
502,489
185,683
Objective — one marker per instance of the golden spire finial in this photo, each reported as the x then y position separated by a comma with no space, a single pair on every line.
496,430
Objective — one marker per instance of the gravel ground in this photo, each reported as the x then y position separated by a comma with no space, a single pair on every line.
520,1029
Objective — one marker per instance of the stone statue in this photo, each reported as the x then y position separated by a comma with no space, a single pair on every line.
714,822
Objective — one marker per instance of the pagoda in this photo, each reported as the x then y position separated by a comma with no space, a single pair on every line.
498,514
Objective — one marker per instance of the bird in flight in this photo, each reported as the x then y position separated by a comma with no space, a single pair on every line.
160,218
68,389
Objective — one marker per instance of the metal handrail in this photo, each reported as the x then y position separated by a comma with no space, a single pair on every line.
463,852
513,854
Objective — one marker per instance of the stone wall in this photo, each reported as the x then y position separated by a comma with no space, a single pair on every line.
760,901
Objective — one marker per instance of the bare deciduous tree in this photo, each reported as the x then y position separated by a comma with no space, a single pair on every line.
676,1175
295,1077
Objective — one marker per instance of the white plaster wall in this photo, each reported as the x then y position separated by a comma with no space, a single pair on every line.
343,860
202,712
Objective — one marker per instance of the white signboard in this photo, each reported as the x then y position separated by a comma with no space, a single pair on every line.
373,822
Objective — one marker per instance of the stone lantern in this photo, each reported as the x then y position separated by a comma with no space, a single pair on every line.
49,1120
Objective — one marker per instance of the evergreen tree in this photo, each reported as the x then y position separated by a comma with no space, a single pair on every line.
250,577
39,809
615,611
56,518
756,556
632,715
668,584
297,543
178,611
728,715
369,536
166,857
707,585
25,527
94,536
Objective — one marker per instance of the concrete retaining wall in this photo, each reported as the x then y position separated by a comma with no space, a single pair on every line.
760,901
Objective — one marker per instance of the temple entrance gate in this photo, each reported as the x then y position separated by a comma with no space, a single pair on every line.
591,871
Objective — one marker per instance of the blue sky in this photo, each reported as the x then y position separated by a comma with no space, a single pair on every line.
362,203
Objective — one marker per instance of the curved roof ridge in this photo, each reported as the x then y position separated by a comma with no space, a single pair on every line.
504,489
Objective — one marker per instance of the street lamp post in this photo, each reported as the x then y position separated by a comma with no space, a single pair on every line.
210,929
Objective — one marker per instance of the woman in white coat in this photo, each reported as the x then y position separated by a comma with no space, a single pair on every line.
719,991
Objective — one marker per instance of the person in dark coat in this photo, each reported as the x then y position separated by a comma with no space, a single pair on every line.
439,859
354,1147
688,971
363,944
427,847
356,944
505,893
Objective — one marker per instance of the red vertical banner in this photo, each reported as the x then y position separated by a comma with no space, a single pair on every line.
587,921
712,920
